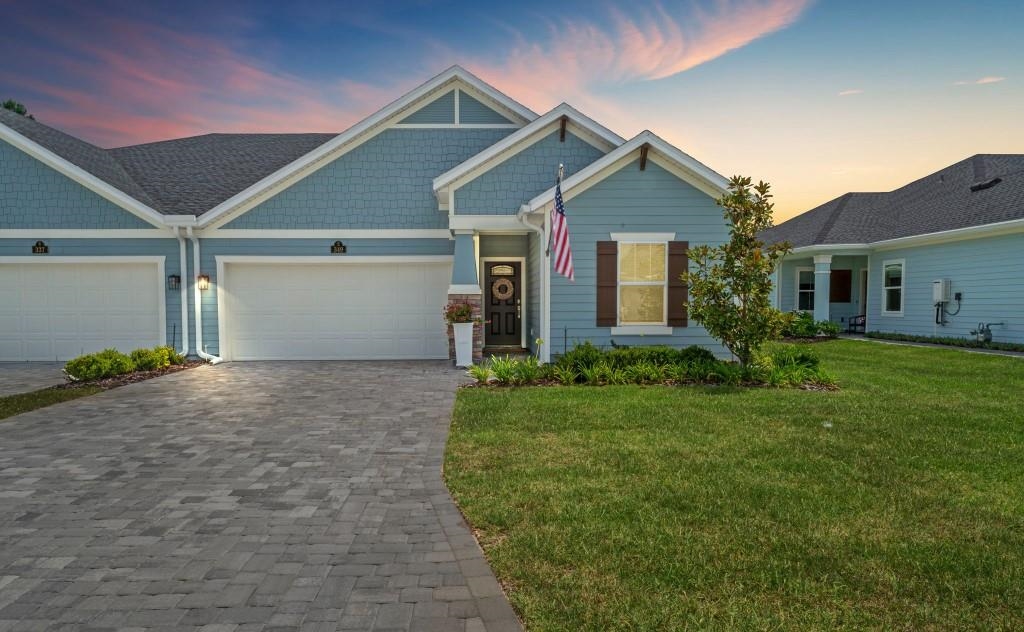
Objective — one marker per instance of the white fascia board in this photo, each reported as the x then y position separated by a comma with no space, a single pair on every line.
525,137
87,233
358,133
681,164
488,223
338,259
957,234
81,176
325,233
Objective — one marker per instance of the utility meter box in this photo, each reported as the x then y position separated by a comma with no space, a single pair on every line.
940,291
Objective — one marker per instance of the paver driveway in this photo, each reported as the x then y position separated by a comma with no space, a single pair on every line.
242,497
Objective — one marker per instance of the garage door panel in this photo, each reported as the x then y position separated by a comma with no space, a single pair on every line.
58,310
335,311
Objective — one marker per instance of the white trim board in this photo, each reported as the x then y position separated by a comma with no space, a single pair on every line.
489,223
333,259
81,176
578,123
523,312
86,233
353,137
325,233
661,153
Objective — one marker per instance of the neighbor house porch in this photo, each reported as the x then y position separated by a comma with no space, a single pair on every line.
829,286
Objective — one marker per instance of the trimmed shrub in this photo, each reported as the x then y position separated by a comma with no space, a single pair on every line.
691,355
581,357
803,325
100,365
170,354
149,359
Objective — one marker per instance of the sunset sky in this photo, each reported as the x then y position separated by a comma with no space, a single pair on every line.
818,98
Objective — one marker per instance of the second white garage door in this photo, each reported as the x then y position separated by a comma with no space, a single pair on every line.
334,311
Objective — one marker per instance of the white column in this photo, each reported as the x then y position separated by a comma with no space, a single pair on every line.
822,283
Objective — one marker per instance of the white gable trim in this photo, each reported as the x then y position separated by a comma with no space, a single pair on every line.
579,124
680,164
81,176
352,138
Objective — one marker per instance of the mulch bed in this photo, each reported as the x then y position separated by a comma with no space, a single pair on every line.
131,378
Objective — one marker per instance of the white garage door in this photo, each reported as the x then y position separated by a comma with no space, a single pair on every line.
61,309
334,311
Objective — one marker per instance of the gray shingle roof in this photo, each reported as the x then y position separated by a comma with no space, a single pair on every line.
190,176
938,202
90,158
186,176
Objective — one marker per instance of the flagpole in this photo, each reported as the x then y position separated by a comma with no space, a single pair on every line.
558,183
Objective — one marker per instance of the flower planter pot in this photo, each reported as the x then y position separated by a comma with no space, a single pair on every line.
463,344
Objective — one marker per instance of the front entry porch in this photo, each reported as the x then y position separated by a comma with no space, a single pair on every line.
497,274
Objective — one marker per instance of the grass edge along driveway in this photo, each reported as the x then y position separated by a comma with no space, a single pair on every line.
897,502
11,405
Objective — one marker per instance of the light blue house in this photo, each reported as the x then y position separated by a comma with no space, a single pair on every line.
348,246
933,258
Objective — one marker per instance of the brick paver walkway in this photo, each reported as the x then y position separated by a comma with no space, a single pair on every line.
246,496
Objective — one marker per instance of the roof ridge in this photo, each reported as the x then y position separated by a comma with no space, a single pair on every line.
833,216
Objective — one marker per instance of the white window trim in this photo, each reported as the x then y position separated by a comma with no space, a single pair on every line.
903,287
639,328
796,288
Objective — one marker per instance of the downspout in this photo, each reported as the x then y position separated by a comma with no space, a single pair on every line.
183,288
212,359
522,215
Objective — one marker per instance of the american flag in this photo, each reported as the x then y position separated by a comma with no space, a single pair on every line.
560,236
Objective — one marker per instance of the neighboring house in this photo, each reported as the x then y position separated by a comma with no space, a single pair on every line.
880,255
348,246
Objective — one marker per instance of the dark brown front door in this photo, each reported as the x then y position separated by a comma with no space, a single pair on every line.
503,301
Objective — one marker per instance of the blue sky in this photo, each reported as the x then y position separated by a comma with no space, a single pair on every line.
818,98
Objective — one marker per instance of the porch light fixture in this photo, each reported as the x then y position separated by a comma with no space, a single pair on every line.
40,248
204,281
338,248
173,282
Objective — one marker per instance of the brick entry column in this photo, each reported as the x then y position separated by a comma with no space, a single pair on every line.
478,328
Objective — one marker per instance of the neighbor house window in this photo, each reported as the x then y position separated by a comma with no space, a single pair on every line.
892,286
805,289
642,283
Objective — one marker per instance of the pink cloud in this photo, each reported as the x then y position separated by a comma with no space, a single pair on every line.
980,82
851,92
576,57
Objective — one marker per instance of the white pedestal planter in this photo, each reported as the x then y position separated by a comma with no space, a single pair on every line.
463,344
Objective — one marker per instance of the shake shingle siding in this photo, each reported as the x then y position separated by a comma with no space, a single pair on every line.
32,195
384,183
504,188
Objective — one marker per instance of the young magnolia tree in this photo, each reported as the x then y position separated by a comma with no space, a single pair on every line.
731,284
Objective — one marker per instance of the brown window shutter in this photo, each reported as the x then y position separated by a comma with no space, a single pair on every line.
678,292
607,283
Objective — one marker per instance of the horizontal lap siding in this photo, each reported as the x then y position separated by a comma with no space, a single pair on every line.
503,245
211,248
989,272
439,111
167,248
32,195
629,200
387,182
505,187
472,111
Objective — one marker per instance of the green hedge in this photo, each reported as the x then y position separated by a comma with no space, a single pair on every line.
778,365
803,325
940,340
111,363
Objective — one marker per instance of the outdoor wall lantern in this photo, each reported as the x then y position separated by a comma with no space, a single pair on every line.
173,282
338,248
204,281
40,248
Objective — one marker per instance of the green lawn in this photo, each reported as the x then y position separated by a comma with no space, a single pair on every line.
12,405
894,503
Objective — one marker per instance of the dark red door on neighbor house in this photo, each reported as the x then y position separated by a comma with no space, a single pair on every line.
503,303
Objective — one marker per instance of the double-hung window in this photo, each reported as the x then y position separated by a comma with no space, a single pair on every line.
643,285
805,289
893,273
